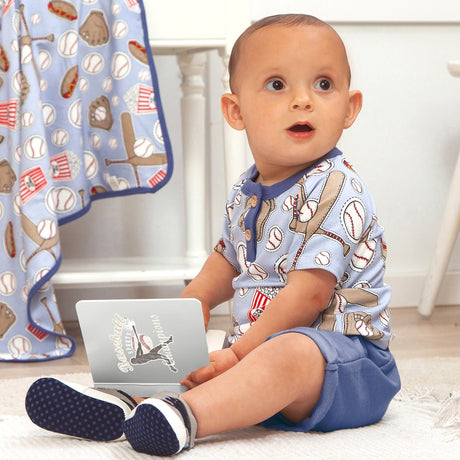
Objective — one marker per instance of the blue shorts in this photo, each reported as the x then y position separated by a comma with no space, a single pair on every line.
360,381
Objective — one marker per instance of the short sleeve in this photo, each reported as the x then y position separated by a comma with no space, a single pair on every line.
331,217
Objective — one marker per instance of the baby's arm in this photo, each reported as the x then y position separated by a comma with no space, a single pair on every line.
299,303
213,285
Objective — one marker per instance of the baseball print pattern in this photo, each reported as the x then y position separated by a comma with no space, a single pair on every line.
323,218
80,119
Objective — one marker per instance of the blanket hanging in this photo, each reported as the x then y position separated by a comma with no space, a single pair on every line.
80,119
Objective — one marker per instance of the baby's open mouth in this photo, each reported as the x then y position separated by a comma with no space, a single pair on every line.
301,128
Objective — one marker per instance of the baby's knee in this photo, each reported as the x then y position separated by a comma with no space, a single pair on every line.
297,346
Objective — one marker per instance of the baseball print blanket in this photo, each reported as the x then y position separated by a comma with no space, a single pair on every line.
80,119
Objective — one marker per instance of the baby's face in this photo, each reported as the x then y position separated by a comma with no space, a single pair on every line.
292,85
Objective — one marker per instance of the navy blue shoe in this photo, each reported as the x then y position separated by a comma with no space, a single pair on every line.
162,425
79,411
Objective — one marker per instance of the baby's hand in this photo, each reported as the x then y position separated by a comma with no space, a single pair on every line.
220,361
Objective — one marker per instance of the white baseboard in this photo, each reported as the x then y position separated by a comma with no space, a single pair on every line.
408,287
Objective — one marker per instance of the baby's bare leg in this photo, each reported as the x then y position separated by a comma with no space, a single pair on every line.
284,374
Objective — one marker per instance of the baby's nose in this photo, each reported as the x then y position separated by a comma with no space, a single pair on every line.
301,102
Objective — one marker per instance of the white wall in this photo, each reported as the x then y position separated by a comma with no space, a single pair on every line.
404,144
407,137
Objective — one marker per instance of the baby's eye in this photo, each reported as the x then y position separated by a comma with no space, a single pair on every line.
324,84
275,85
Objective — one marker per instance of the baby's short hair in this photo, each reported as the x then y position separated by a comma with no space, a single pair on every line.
289,20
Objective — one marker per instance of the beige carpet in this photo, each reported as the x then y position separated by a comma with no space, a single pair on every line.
423,422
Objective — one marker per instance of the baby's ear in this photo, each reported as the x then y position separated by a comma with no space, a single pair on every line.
355,102
231,110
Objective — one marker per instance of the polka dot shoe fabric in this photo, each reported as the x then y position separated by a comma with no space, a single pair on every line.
162,425
78,411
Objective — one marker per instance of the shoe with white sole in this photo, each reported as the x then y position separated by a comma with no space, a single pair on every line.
79,411
163,425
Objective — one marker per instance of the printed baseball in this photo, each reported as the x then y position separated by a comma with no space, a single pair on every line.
19,346
59,137
17,152
119,29
22,260
362,285
26,54
35,147
100,113
113,143
157,132
275,237
362,328
43,85
321,168
323,258
64,199
91,164
288,203
242,260
8,283
281,268
74,113
50,200
63,343
107,84
238,198
243,291
27,119
25,292
17,204
340,303
256,272
17,82
49,114
308,210
357,185
364,254
384,317
93,63
83,84
39,276
44,60
143,75
14,45
143,147
47,229
145,342
35,18
116,8
353,219
95,141
67,44
121,65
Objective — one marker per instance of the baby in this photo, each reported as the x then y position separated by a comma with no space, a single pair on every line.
301,254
